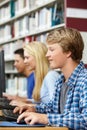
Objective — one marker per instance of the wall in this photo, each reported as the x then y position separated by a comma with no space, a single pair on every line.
76,17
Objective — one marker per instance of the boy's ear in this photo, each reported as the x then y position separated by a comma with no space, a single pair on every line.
69,54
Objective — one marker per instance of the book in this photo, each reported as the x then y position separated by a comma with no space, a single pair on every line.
12,8
57,14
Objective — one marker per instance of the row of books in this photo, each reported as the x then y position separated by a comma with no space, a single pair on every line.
25,5
4,13
17,7
40,20
9,48
40,37
5,33
17,86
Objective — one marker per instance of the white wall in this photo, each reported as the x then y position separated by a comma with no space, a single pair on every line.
84,35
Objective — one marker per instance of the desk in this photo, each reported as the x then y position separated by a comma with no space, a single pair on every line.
34,128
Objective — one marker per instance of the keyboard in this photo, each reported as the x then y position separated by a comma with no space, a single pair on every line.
7,111
4,104
2,118
10,116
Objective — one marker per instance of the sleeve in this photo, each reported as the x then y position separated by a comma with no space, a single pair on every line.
70,120
73,119
50,81
30,85
44,107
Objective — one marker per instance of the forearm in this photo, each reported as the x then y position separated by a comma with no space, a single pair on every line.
44,108
70,120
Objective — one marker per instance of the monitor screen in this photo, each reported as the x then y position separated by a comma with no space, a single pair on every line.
2,73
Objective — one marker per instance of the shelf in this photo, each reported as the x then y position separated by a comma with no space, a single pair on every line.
11,72
40,30
27,12
9,60
25,24
3,3
37,32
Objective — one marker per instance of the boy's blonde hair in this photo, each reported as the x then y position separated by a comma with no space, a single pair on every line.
69,39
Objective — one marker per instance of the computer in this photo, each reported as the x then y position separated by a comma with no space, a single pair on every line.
2,81
2,73
4,103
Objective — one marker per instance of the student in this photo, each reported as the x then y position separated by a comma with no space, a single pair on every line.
35,57
28,73
69,105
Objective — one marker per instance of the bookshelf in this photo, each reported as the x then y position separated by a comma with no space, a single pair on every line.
32,20
22,21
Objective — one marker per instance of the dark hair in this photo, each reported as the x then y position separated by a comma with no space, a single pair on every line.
20,52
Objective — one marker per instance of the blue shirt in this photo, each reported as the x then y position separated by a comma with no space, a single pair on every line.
75,110
30,85
48,85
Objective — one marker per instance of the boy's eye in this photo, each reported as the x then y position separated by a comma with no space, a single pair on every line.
26,58
51,49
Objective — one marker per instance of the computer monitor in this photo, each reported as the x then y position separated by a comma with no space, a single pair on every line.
2,73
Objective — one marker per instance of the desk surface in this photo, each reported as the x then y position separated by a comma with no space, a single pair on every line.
33,128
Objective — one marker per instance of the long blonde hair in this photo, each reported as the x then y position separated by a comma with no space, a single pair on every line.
38,50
